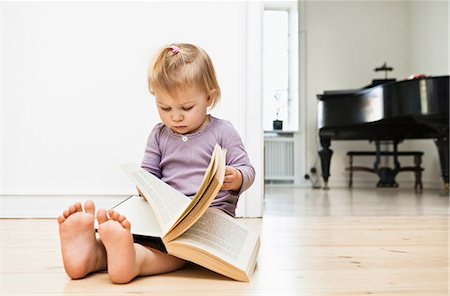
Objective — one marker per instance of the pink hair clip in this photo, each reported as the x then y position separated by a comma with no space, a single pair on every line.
175,49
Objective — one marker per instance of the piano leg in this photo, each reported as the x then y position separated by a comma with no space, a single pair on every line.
387,175
442,146
325,158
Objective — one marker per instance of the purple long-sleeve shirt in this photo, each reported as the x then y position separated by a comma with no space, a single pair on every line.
181,160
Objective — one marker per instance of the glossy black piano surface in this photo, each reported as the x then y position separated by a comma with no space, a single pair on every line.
400,110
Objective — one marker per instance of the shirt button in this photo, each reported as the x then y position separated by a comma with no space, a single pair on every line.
184,138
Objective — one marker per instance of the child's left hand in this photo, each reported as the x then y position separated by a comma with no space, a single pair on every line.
232,180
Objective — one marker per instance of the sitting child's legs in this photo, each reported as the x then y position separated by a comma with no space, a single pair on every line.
82,253
126,260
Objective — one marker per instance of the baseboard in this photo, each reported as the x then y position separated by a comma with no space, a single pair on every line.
48,206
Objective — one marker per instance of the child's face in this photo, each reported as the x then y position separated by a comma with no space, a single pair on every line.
184,113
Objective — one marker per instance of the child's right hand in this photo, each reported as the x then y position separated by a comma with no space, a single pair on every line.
232,179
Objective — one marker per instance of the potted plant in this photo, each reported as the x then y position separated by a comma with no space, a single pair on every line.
277,124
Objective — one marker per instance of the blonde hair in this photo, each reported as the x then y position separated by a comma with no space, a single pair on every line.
182,65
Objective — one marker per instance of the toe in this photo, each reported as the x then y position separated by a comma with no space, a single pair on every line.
126,224
101,216
110,213
66,213
72,209
114,215
78,207
89,207
122,218
75,208
61,219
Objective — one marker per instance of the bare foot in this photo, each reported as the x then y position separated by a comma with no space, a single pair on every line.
127,260
81,252
118,240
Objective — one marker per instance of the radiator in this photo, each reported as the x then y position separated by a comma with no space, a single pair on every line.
279,158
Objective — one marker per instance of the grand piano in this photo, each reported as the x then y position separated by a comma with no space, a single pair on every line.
386,111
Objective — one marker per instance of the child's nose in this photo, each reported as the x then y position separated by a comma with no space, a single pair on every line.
177,116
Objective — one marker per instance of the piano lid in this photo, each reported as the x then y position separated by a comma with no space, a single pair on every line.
427,96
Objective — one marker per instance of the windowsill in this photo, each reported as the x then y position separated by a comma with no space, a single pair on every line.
280,132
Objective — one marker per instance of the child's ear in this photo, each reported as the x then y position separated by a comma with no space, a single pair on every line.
212,97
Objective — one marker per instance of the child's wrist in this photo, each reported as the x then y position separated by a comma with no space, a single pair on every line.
241,180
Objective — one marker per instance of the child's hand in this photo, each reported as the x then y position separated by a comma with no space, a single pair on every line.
232,180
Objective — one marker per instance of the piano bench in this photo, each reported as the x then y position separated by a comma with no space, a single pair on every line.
417,169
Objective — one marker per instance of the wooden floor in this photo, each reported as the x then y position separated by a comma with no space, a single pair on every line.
313,242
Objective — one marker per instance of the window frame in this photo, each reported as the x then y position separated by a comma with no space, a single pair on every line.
293,98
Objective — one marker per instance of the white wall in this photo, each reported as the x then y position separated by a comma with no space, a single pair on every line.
346,40
74,98
75,103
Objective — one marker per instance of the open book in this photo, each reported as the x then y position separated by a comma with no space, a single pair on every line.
168,220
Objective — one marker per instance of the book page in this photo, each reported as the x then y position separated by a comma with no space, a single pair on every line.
210,172
222,236
167,203
141,216
173,209
200,203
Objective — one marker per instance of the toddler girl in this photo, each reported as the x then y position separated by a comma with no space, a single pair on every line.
178,151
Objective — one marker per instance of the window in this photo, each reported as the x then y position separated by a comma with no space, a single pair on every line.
280,67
